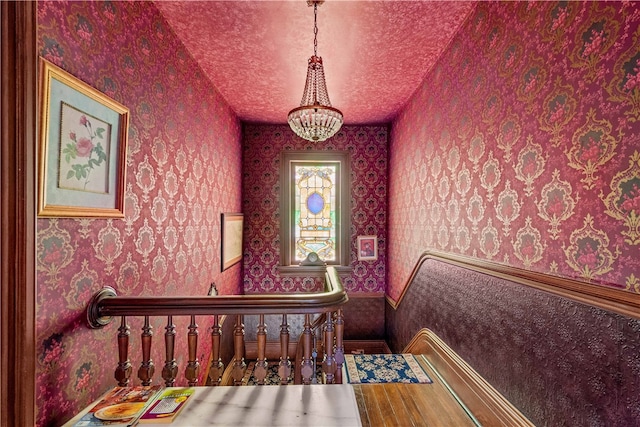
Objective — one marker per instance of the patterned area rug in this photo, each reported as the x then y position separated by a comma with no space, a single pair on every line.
384,368
272,377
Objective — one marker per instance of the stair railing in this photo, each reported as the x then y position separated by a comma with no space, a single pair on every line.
106,304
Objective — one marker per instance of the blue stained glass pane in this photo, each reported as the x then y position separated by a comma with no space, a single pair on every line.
315,203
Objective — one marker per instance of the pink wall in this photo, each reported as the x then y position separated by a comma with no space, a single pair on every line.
262,145
183,170
522,145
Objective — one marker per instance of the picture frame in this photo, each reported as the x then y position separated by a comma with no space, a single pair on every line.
367,247
231,239
83,148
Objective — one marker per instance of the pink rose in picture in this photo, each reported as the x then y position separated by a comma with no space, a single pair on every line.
84,153
84,147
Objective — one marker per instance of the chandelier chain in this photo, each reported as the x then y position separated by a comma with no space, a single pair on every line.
315,29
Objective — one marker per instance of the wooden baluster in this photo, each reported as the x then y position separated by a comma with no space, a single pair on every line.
260,371
284,368
339,349
217,367
239,366
170,369
123,370
307,365
145,373
329,363
193,366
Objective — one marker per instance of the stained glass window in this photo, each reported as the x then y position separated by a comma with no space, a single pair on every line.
315,210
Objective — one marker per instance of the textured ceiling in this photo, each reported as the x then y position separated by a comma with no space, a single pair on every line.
375,53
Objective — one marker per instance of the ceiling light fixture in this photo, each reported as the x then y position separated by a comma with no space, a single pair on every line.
315,119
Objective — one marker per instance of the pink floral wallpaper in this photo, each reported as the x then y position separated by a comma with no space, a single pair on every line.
183,170
522,146
262,145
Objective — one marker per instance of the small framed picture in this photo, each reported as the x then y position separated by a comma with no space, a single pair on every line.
232,227
367,248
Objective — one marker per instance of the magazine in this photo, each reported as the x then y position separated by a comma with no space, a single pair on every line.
121,406
167,405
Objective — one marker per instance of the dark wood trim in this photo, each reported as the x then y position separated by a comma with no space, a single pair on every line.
611,299
366,347
18,93
486,404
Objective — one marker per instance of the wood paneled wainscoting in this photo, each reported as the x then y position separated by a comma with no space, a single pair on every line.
563,352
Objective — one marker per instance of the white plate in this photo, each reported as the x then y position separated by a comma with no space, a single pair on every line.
120,411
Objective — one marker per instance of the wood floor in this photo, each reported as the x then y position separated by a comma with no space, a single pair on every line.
399,405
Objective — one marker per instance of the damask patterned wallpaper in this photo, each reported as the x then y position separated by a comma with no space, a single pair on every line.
522,146
262,145
183,170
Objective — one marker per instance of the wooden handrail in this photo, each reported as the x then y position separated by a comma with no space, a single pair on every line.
106,303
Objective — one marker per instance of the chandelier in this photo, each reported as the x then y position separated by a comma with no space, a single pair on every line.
315,119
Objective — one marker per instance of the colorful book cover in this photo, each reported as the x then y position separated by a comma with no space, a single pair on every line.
167,405
119,407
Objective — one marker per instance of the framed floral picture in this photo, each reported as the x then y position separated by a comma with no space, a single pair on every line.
83,146
367,248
